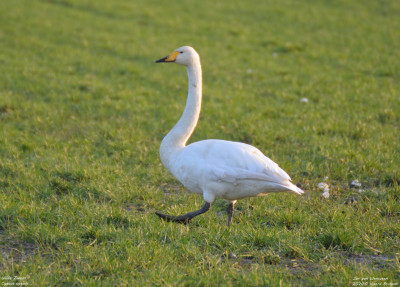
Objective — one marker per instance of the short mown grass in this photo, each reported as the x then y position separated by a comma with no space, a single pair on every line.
83,110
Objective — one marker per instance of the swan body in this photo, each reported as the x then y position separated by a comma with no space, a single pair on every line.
215,168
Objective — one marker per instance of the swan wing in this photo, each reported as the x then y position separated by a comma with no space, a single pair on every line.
269,167
233,175
230,161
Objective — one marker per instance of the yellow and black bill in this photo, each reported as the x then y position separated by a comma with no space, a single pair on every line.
170,58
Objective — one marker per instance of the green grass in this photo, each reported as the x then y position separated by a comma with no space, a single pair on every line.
83,109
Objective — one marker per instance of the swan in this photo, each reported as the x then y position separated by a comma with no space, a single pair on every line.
214,168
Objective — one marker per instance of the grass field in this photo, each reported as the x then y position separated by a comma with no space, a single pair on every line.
83,109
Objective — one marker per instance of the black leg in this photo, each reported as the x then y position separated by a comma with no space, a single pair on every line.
186,217
231,208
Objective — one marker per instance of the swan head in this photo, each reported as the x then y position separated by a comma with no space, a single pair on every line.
185,56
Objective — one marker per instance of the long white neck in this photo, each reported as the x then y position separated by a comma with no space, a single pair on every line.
176,139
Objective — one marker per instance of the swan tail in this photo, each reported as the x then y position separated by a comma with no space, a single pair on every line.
293,188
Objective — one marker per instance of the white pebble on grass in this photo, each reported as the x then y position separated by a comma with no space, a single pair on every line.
303,100
232,255
355,183
325,194
325,188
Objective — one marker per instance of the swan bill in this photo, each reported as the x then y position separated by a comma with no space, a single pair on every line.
169,59
161,60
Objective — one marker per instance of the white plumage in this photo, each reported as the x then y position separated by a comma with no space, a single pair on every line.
215,168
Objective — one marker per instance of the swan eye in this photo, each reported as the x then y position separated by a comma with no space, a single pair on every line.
180,52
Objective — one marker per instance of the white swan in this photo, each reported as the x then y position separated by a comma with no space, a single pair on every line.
214,168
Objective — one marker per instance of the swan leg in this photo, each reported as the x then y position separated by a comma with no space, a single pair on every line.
186,217
230,210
